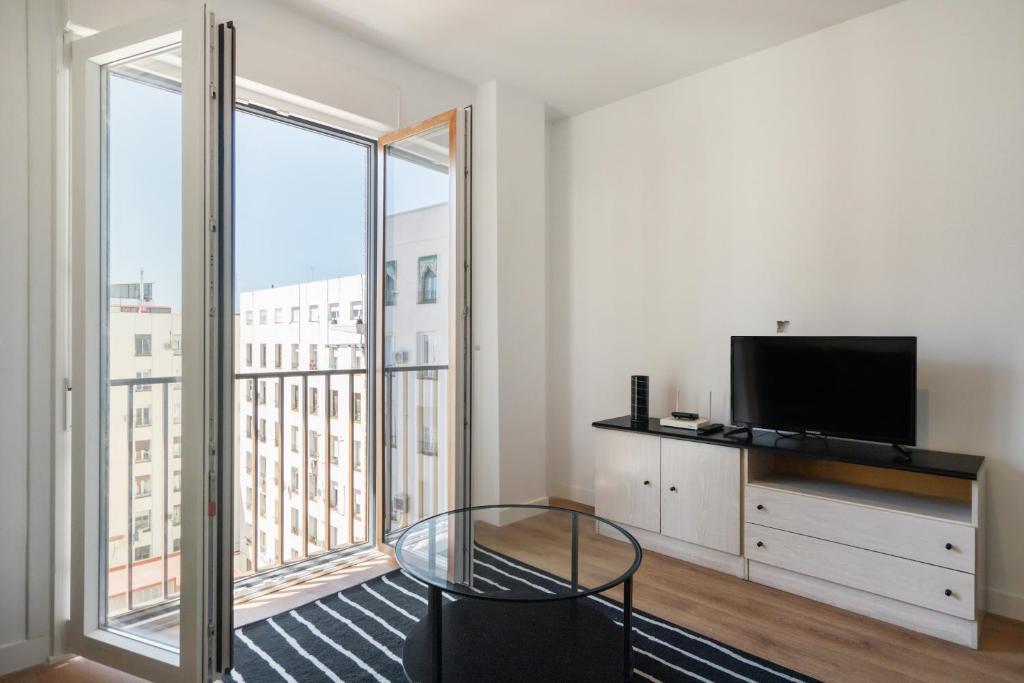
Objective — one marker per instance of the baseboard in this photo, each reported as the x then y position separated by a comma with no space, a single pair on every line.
23,654
569,492
1004,604
511,515
953,629
681,550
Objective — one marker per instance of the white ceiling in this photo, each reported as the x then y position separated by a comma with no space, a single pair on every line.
579,54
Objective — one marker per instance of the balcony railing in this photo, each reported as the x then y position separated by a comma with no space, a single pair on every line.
141,574
338,499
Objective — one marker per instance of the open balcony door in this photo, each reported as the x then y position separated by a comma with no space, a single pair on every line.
152,105
422,295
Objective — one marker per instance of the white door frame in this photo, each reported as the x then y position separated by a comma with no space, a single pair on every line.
191,26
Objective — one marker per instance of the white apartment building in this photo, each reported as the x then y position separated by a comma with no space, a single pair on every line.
143,449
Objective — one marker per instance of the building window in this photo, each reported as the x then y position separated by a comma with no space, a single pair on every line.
334,403
248,355
357,508
333,314
248,390
263,507
248,317
263,392
176,482
277,433
295,520
176,515
295,397
263,316
427,290
176,413
142,417
295,479
263,542
295,439
311,526
334,495
263,355
314,401
141,374
277,356
141,552
356,310
295,314
335,447
248,498
390,283
314,314
312,356
357,456
176,344
295,356
314,444
142,485
278,315
142,451
248,426
426,353
176,447
142,522
263,430
332,357
334,536
248,462
357,407
143,345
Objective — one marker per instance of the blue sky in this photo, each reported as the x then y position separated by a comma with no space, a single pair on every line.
300,197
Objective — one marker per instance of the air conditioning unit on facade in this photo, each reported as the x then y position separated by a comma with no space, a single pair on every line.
401,356
400,503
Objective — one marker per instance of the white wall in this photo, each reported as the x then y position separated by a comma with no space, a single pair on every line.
866,179
28,53
509,302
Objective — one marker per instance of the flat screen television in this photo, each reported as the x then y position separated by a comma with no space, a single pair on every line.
852,387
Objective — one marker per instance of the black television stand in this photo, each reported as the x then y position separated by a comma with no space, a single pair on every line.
903,453
729,433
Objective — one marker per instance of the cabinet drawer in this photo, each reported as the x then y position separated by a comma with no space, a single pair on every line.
893,577
893,533
627,479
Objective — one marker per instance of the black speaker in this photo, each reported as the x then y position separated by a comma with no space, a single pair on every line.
639,398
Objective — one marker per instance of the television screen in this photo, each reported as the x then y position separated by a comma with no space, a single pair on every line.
853,387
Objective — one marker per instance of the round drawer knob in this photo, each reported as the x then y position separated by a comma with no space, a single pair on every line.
647,482
672,488
760,544
760,507
948,592
949,546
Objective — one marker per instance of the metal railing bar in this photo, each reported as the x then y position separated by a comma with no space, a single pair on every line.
166,495
254,499
137,381
131,494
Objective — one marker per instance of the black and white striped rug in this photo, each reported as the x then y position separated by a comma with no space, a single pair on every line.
357,635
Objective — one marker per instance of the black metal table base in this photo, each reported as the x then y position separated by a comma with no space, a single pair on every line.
495,641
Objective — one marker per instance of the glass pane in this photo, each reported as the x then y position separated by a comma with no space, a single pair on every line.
301,225
417,248
141,348
587,553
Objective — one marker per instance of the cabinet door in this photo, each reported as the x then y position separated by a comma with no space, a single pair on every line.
628,480
700,494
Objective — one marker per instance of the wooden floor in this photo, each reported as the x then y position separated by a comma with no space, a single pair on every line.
818,640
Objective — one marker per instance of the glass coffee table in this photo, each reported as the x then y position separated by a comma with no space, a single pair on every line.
510,595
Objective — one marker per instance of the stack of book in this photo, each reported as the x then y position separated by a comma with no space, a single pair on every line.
689,421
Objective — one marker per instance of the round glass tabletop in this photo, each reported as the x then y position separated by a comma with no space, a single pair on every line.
524,553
